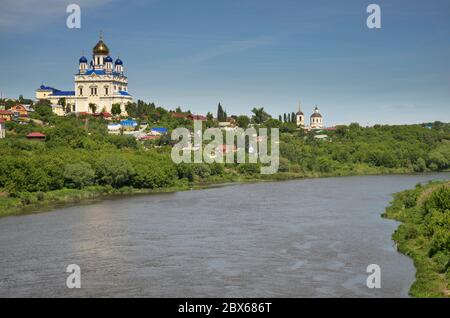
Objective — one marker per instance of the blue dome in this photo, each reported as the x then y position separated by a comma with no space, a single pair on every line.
83,59
108,59
118,62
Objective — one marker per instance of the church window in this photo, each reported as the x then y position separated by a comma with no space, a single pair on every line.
81,91
106,90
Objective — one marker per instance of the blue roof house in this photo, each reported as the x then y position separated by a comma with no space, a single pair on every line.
158,131
128,124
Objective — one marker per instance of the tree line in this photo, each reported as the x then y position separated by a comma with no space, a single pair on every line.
79,152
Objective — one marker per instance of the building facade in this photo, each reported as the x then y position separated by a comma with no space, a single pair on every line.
6,115
98,86
2,128
316,119
300,117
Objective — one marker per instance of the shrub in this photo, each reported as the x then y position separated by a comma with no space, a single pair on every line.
113,170
79,175
202,170
248,168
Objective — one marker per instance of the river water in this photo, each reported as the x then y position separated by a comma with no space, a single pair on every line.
302,238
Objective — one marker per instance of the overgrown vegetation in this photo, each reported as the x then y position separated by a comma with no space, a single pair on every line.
424,235
79,153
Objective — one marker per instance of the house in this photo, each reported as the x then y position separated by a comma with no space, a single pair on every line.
148,137
224,124
179,115
322,137
158,131
58,109
19,110
2,128
197,117
28,108
114,129
128,124
36,136
6,115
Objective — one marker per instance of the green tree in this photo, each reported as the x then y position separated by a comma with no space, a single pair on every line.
243,121
114,170
44,109
116,110
153,172
62,102
220,113
93,107
260,116
79,175
131,109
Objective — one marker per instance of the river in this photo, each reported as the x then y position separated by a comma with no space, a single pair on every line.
302,238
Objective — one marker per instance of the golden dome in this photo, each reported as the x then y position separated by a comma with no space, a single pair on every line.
101,48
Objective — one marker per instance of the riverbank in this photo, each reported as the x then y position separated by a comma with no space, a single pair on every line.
45,201
424,235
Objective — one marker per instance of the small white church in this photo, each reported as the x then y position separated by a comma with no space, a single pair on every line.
98,85
315,120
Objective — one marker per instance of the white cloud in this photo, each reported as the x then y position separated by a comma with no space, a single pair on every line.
27,15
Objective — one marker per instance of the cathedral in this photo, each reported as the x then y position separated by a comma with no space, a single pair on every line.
98,85
315,120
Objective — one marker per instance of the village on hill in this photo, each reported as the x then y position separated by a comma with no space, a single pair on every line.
101,92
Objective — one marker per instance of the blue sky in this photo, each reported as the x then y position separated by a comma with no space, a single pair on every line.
245,53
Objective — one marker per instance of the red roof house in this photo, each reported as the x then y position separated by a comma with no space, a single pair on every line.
197,117
36,136
149,137
179,115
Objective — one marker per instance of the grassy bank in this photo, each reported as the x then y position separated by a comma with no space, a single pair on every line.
30,202
424,235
